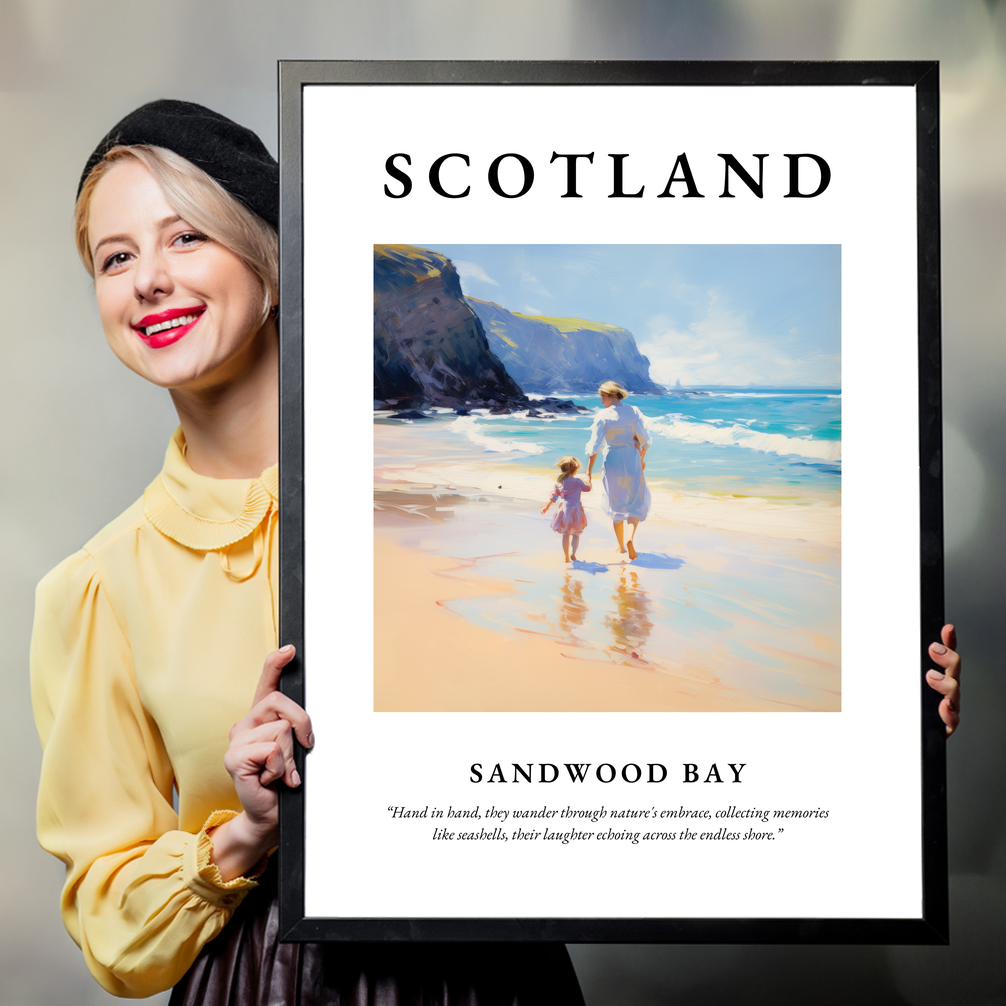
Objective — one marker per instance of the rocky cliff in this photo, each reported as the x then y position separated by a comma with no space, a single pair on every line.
429,346
567,355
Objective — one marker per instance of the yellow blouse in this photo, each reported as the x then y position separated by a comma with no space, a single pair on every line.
147,647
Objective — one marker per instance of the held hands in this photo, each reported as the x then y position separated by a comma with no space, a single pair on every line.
947,682
260,754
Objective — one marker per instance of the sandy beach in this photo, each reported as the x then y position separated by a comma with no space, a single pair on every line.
731,605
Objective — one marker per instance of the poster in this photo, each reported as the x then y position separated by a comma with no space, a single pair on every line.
711,734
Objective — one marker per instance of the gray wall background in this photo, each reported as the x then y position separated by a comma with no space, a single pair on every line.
82,436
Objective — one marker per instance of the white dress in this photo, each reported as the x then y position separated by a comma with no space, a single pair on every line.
625,493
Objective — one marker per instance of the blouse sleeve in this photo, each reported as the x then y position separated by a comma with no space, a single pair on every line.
639,428
141,898
596,441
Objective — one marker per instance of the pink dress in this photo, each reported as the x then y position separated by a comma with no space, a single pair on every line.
569,518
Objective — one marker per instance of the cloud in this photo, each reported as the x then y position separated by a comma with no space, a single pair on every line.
473,272
532,310
536,286
581,266
720,347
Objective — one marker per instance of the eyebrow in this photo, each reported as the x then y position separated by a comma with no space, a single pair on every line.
111,238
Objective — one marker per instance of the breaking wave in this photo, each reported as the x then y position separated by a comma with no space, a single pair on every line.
767,394
676,428
468,427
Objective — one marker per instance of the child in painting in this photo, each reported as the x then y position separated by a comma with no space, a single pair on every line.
569,519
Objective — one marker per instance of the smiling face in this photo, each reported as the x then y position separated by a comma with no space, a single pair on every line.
178,308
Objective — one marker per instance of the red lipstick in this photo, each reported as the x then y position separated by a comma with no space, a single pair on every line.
166,326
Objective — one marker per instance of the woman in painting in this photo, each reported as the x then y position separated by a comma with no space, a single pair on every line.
619,429
149,642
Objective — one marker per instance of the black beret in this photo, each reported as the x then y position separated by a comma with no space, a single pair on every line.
230,154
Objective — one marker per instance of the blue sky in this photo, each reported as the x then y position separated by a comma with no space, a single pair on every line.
703,314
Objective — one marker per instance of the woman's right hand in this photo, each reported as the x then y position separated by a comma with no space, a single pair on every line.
260,753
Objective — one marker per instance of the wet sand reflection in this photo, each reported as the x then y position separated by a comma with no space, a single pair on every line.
572,607
629,623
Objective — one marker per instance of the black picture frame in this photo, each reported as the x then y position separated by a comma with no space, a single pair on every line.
931,926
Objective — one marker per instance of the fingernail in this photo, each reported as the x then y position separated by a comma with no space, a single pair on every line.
937,675
295,777
287,649
938,648
310,740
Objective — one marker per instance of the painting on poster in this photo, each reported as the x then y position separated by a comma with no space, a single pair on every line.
732,599
484,697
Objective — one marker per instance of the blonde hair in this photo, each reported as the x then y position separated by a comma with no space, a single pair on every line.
612,388
200,201
567,466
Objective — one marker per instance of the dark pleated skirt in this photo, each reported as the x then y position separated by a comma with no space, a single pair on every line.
246,965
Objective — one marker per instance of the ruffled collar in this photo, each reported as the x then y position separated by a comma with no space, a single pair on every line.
203,513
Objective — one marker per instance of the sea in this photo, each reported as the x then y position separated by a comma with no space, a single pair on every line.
735,437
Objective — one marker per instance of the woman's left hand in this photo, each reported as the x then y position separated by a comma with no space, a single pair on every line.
947,682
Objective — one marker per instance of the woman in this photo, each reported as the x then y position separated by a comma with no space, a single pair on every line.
148,643
620,430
